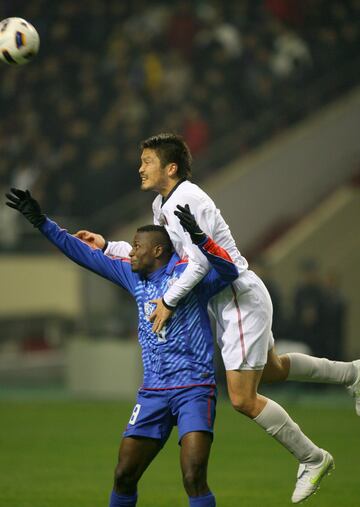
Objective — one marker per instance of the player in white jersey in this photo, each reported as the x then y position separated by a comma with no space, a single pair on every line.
243,312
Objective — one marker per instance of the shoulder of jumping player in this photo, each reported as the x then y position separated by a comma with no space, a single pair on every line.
188,193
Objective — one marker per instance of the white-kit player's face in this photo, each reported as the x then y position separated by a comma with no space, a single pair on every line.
153,176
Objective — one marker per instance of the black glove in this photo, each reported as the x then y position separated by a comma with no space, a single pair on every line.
189,223
22,201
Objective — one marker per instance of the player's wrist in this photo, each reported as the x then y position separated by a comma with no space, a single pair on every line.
169,307
203,240
39,221
198,237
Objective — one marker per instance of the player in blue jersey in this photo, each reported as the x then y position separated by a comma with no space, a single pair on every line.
179,383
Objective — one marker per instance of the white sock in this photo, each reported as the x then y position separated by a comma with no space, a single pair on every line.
277,423
315,369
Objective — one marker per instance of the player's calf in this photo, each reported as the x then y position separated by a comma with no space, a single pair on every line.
195,450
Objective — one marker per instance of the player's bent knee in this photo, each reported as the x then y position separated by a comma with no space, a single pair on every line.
244,405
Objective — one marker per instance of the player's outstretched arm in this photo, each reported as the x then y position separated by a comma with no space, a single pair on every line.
117,271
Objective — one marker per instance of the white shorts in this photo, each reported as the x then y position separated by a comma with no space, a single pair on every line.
243,314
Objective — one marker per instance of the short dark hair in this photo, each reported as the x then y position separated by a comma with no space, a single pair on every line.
164,238
171,148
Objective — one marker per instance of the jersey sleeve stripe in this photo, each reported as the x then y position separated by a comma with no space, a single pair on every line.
214,249
115,258
182,261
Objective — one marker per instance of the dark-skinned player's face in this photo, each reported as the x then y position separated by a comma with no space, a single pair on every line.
153,175
143,253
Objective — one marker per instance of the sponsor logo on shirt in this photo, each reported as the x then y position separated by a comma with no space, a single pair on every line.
148,308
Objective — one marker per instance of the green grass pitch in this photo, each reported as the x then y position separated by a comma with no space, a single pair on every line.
62,454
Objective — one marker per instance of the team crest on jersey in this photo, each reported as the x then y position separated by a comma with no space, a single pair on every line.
148,308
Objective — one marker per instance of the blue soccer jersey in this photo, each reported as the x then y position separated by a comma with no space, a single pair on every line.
181,355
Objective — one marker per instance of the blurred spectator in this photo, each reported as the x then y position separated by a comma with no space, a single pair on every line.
218,31
336,311
9,224
176,77
288,11
290,56
309,315
24,176
182,28
195,131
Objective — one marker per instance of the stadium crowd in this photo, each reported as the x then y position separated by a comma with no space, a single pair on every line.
111,73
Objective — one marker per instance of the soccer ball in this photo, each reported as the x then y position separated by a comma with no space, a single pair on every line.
19,41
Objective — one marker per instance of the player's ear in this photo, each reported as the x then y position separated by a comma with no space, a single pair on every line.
172,169
158,251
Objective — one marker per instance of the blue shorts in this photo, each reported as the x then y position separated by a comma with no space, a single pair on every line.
157,412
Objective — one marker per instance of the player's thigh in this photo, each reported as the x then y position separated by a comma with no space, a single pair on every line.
194,409
151,416
135,455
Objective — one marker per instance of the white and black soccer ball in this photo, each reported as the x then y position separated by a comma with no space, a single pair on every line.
19,41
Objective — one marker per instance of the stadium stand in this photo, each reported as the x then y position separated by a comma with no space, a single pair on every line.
227,75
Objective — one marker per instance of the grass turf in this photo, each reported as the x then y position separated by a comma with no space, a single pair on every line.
62,454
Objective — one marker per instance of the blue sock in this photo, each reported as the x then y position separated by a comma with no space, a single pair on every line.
123,500
207,500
